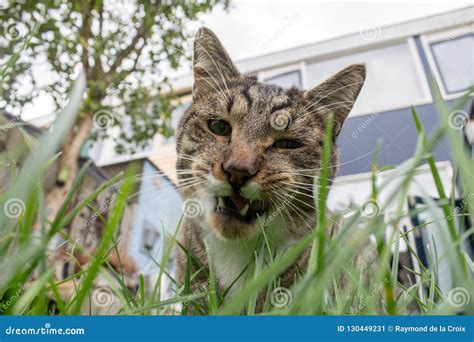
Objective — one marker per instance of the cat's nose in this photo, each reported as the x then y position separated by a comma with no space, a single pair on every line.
237,175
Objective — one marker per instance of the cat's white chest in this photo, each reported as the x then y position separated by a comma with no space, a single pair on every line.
232,257
230,260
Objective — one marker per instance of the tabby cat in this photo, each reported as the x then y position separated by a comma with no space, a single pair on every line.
248,154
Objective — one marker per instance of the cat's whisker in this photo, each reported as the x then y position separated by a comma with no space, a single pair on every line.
220,95
328,107
277,203
331,92
189,181
187,170
305,186
217,67
291,194
214,82
198,173
192,158
190,186
312,176
305,218
287,199
292,190
299,187
187,186
331,107
160,173
162,188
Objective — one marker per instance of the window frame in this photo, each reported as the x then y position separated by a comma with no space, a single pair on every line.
436,37
415,57
269,73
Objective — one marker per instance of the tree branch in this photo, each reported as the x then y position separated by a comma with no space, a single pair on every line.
142,32
85,35
99,70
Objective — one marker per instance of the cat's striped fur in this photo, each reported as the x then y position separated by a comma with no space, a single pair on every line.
252,165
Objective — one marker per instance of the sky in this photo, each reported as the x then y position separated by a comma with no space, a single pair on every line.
252,28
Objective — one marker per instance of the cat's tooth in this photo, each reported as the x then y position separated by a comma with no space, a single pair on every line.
244,211
220,203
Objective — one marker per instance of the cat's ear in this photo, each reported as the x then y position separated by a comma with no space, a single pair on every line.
337,94
211,63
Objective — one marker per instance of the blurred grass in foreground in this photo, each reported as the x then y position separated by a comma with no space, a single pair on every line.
24,252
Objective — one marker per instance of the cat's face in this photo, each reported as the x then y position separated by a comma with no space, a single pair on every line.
248,151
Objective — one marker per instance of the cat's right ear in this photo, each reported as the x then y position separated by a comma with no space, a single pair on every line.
212,66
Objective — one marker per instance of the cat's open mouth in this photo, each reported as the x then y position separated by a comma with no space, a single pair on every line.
239,207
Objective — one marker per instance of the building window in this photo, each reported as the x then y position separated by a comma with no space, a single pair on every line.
394,77
149,238
286,79
453,60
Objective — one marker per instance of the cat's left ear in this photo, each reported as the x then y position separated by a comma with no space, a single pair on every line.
337,94
211,63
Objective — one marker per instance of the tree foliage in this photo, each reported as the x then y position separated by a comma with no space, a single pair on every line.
126,48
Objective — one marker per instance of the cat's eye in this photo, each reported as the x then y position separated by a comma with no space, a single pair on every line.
287,144
220,127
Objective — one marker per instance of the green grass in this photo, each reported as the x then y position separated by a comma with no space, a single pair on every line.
331,285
